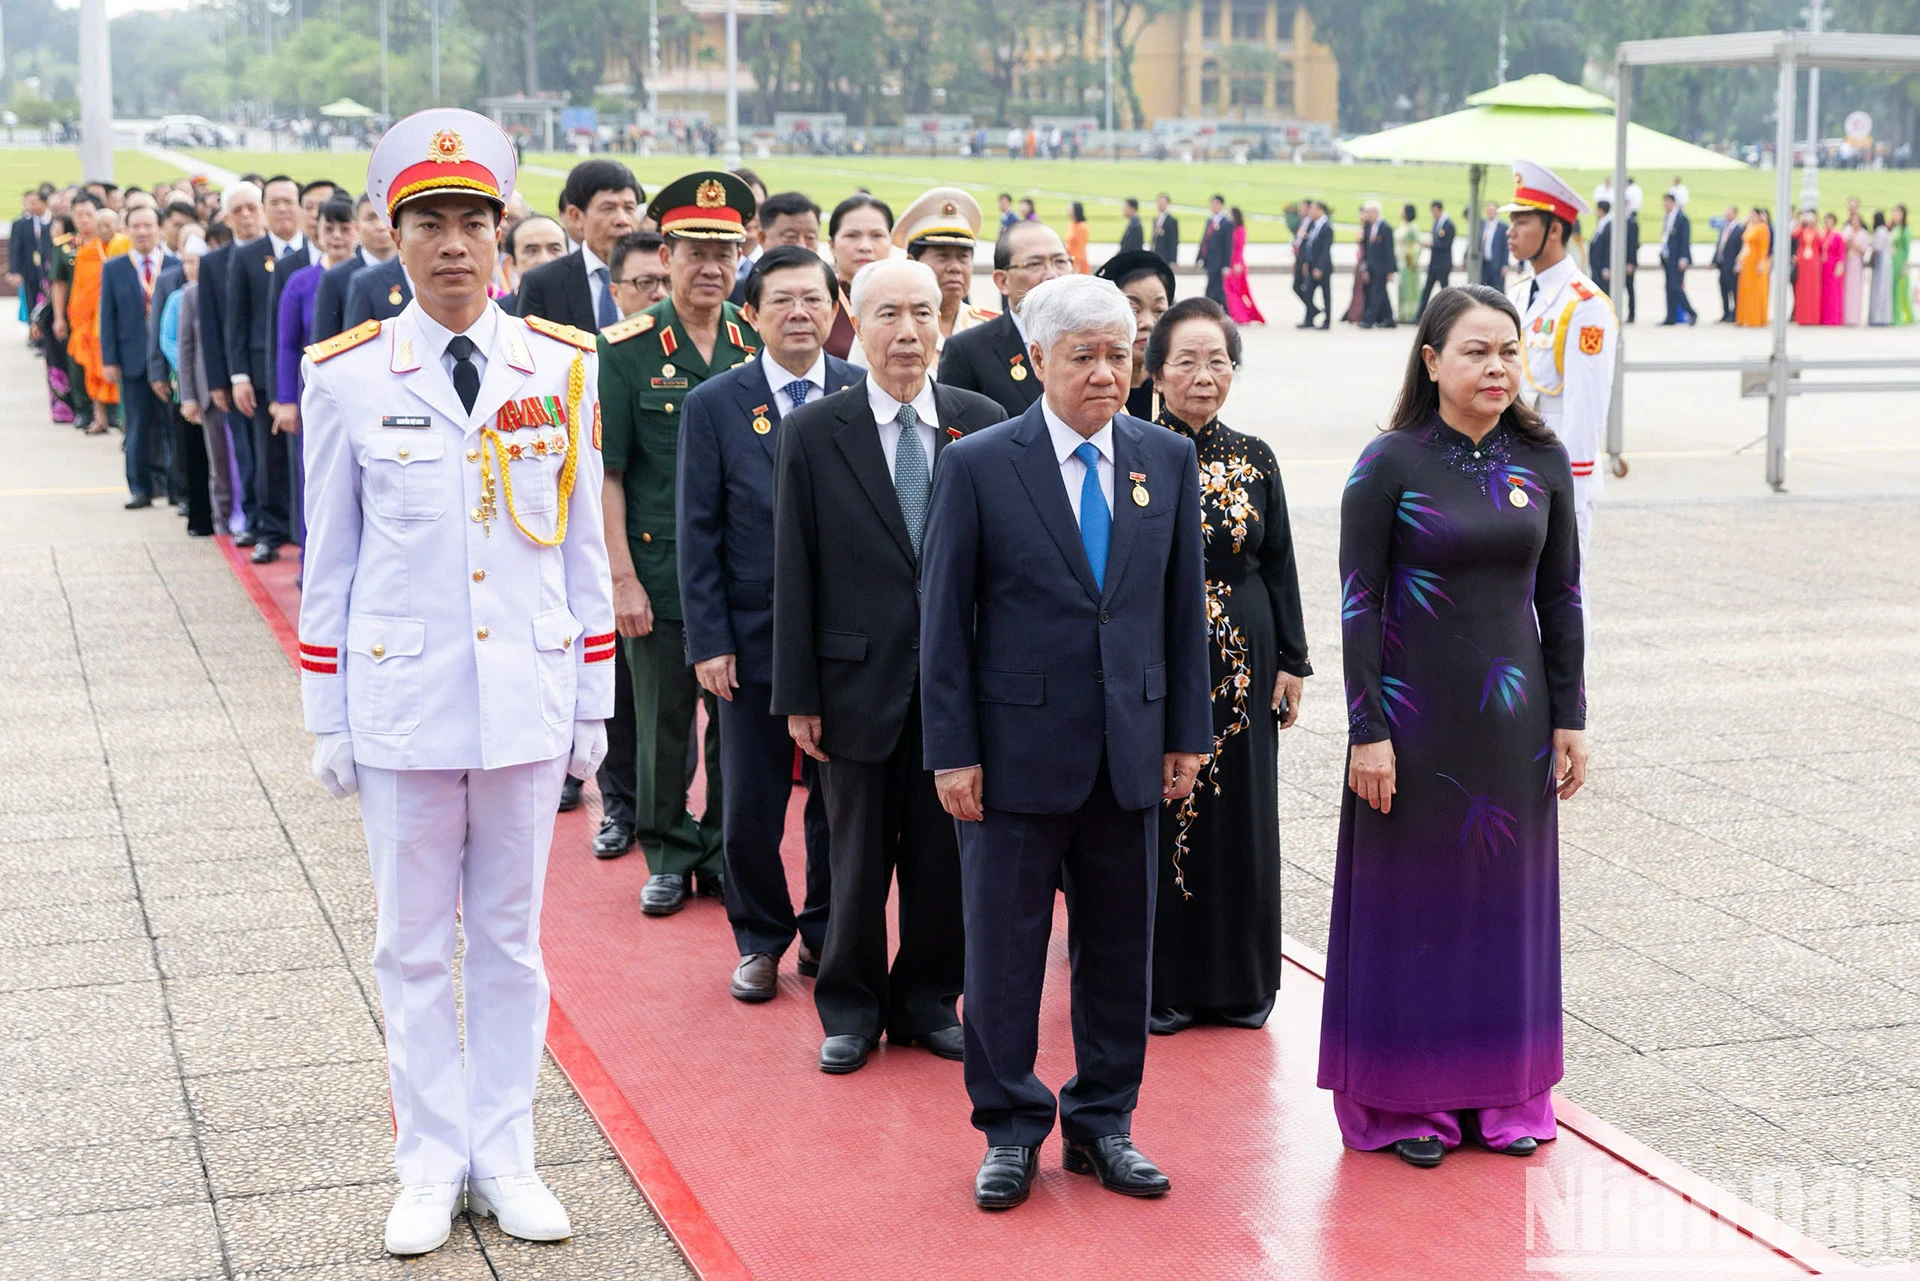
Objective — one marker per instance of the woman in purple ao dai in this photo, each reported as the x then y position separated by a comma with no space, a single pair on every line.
1460,568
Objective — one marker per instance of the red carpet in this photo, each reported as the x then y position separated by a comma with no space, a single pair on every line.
763,1167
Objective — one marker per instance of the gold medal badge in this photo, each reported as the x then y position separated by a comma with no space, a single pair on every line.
393,296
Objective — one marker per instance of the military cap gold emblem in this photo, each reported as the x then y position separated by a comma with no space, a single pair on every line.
447,147
710,195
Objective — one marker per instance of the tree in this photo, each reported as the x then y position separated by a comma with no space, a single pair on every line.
1130,18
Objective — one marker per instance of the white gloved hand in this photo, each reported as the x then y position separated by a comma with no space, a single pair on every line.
589,748
333,764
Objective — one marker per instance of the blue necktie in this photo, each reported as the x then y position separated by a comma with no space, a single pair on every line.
1096,522
796,392
607,311
911,479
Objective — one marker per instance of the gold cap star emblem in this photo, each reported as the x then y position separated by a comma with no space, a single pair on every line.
949,209
711,195
447,147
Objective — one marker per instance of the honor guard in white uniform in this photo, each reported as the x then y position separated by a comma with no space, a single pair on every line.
456,654
1569,332
940,229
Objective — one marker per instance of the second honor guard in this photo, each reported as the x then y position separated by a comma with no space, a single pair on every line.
940,229
1569,331
456,655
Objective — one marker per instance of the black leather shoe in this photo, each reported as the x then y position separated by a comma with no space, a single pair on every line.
840,1055
137,502
809,962
246,538
570,795
1525,1145
264,554
613,839
711,885
664,894
1166,1020
946,1042
1118,1165
1005,1177
1425,1153
756,978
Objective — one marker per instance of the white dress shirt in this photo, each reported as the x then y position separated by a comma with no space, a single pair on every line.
886,416
778,376
152,261
299,241
437,336
594,268
1073,472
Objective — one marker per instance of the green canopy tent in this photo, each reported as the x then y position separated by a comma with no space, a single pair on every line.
1542,117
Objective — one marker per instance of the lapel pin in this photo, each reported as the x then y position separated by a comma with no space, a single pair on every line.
1019,370
393,296
954,432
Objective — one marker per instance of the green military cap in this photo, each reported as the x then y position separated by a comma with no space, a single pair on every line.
710,205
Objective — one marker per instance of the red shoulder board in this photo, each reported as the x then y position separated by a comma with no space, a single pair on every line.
1586,293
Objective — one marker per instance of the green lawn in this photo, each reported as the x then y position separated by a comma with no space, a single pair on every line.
1261,190
23,167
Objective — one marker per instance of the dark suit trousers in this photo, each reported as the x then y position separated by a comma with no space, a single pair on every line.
190,452
272,481
240,449
666,699
1379,305
1105,859
1729,292
1437,277
1217,283
146,420
887,819
1633,304
1679,308
756,754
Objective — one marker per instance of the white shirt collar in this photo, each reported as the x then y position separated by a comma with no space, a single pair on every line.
886,408
435,336
1066,439
1558,274
367,259
778,375
280,246
593,262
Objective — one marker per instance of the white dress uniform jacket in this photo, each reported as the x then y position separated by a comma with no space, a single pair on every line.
442,642
1571,340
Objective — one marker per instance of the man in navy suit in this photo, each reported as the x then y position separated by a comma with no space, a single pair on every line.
127,283
1216,249
247,310
330,299
240,213
1065,675
379,292
1676,255
724,513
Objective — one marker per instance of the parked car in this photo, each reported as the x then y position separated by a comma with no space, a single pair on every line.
190,131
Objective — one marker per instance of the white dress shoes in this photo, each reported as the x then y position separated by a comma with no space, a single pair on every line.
522,1204
421,1217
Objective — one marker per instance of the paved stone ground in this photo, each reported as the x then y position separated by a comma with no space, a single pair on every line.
190,1072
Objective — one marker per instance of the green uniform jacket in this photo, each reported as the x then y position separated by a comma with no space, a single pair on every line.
647,367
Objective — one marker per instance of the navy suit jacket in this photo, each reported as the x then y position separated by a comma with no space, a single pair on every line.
248,305
172,280
123,316
330,298
370,292
1029,669
1679,241
724,510
213,309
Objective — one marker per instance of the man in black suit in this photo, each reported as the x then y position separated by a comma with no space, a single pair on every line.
992,358
1726,259
600,203
23,245
537,240
1063,660
730,428
330,298
1633,266
240,211
1216,248
1320,267
127,283
249,322
1493,249
1166,230
1440,256
159,375
1134,236
1676,255
1382,263
1600,252
855,477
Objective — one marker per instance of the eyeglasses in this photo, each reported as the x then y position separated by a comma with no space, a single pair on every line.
646,283
1059,262
1218,366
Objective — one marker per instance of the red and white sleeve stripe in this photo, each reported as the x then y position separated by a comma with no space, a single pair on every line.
321,660
1583,469
597,649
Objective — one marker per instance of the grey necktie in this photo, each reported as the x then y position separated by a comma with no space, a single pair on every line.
911,479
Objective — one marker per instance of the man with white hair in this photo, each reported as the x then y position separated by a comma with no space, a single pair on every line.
241,211
853,478
1065,672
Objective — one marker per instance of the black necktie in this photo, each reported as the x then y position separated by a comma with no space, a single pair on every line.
466,374
1533,292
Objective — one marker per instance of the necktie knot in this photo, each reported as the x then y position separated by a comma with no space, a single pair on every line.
796,392
1088,453
466,375
460,347
909,418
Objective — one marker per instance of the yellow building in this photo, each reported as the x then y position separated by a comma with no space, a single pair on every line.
1253,60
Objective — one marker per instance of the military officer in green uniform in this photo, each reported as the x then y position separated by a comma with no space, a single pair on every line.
648,364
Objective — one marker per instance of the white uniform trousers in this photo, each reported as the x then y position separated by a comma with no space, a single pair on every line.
476,840
1583,501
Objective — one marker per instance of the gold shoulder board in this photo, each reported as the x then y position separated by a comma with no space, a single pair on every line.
986,313
365,331
564,333
631,327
